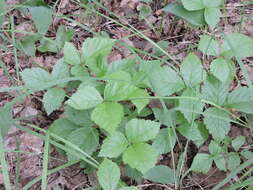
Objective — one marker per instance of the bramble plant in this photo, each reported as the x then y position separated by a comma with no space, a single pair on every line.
102,105
120,117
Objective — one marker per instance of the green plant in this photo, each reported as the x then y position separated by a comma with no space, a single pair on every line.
109,122
197,12
102,105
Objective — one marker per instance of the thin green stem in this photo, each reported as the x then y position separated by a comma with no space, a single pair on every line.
45,162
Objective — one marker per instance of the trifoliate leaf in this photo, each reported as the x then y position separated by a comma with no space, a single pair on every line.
108,175
36,78
212,16
53,99
71,54
233,45
164,141
190,108
85,98
86,138
160,174
113,145
220,69
139,130
165,81
63,127
42,18
208,45
240,99
145,160
201,163
217,122
193,17
238,142
192,70
108,116
193,5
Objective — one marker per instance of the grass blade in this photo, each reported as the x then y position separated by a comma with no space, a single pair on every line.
45,163
4,165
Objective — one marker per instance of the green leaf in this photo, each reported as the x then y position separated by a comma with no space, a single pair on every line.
192,132
193,5
165,116
129,188
86,138
220,162
60,71
164,141
217,123
53,99
214,148
233,161
113,146
213,3
165,81
2,9
236,40
238,142
63,35
79,117
215,91
79,71
138,130
42,18
220,69
28,44
5,118
108,175
240,99
108,116
190,108
208,45
192,70
36,78
160,174
145,160
145,11
212,16
193,17
119,87
122,64
71,55
201,163
63,127
85,98
139,103
93,47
